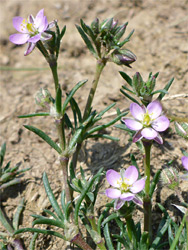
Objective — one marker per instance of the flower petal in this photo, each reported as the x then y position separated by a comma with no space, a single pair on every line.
184,160
19,38
118,204
137,111
137,200
113,193
159,139
31,19
138,136
127,196
35,38
112,177
161,123
45,36
39,19
17,23
138,186
154,109
131,175
149,133
132,124
44,24
30,48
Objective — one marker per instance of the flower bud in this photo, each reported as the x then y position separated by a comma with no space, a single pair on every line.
106,24
151,84
123,57
170,178
95,26
120,31
137,83
43,97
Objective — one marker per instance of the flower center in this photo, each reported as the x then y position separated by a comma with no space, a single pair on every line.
29,26
124,186
147,119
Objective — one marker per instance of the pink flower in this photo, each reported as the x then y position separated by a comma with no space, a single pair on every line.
184,161
31,30
147,121
125,186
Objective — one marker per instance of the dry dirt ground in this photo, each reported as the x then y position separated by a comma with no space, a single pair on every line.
160,43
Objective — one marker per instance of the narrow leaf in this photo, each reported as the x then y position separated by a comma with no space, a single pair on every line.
32,242
107,237
45,137
160,97
130,97
33,115
154,183
70,95
2,154
86,40
126,77
17,215
51,197
48,222
132,92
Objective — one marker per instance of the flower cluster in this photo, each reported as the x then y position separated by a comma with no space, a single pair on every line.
147,122
125,186
31,30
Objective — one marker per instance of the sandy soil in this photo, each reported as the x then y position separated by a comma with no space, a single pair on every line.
160,43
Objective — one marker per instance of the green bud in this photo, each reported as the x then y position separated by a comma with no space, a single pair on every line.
43,97
106,24
137,83
170,178
120,31
95,26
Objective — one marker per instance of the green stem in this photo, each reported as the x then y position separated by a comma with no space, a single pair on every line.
78,240
99,67
64,164
61,133
147,198
53,67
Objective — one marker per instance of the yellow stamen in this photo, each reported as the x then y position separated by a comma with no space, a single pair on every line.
147,119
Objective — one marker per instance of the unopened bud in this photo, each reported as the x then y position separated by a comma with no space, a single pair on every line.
106,24
137,83
170,178
123,57
182,129
43,97
120,31
151,84
95,26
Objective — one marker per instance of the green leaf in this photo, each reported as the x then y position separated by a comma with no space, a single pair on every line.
130,97
68,121
58,100
127,39
104,136
70,95
48,222
110,217
62,32
2,154
32,242
38,230
51,214
126,77
132,92
105,110
159,91
45,137
134,163
86,40
17,215
76,109
83,194
34,114
107,237
160,97
51,197
154,183
87,30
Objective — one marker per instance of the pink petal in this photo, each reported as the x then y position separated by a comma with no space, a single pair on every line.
127,196
34,39
138,186
161,123
149,133
137,200
43,26
19,38
113,193
132,124
30,48
112,177
138,136
39,18
17,21
118,204
137,111
131,175
159,139
31,19
184,160
154,109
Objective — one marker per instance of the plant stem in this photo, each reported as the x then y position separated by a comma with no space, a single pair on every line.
78,240
147,198
99,67
53,66
64,164
61,133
